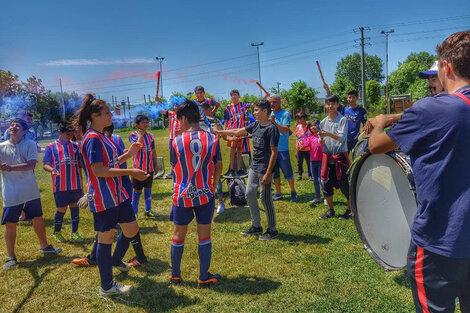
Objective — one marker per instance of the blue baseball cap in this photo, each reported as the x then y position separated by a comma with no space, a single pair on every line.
432,71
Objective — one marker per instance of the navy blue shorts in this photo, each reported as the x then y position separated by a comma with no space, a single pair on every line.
183,216
64,198
108,219
283,162
31,210
139,184
332,182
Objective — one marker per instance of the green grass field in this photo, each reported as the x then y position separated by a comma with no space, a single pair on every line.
315,266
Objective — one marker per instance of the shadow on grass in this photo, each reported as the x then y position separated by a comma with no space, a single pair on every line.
149,230
33,267
237,214
403,279
246,285
312,239
153,267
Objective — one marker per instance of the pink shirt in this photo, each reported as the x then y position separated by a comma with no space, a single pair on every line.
316,149
300,132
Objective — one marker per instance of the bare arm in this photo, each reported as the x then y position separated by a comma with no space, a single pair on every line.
231,132
48,168
389,120
216,107
103,171
29,165
272,162
379,141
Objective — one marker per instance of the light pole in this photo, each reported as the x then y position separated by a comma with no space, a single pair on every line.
259,66
160,59
386,33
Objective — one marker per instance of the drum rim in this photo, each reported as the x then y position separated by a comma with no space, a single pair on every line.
354,172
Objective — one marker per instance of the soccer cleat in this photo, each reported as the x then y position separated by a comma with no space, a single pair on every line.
252,231
135,262
83,262
211,279
58,237
151,214
293,196
229,173
174,280
269,234
76,237
346,216
277,196
315,201
123,267
116,289
328,214
10,263
50,249
221,207
299,178
242,173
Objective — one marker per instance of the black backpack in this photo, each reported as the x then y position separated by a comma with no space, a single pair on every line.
236,190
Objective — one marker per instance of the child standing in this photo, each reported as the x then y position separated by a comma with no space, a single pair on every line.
61,160
316,153
335,161
265,141
303,151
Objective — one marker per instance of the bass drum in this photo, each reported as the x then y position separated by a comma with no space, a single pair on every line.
383,199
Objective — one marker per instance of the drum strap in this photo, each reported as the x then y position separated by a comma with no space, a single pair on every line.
462,96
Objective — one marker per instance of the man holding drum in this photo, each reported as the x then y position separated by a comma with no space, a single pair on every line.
435,133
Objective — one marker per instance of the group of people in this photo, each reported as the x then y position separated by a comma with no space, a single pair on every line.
434,133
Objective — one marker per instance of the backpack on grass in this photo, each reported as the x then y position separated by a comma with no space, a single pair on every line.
236,190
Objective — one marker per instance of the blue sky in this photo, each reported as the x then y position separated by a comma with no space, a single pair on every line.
113,44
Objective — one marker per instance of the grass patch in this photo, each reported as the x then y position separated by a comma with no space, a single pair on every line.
315,266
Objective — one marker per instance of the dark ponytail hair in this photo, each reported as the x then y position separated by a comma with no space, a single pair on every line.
89,106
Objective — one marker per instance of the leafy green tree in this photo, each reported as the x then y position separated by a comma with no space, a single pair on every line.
341,88
349,69
9,83
300,97
374,102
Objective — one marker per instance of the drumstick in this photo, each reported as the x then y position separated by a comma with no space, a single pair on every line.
325,85
158,86
264,90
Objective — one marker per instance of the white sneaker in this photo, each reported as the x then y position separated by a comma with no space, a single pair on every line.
325,202
10,263
315,201
116,289
221,207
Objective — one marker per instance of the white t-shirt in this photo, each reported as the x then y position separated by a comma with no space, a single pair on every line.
18,186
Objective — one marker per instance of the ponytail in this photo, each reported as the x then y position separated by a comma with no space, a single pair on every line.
89,106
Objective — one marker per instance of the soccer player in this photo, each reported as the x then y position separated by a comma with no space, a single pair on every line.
281,119
265,141
355,114
20,192
199,92
146,160
196,173
434,132
61,160
106,195
335,162
136,243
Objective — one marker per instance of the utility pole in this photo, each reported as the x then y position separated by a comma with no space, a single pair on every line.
278,88
129,107
160,59
363,64
145,100
386,33
63,101
257,45
149,99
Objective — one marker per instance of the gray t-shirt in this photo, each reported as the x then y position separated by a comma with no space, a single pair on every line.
338,126
18,186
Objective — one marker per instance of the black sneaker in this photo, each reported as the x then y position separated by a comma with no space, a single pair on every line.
346,216
299,178
228,173
269,234
174,280
328,214
253,231
211,279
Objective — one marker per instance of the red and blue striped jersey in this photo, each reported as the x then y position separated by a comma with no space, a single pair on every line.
126,181
143,159
64,157
103,192
195,154
174,124
234,115
209,101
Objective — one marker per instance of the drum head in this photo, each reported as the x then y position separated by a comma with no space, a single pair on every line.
384,206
